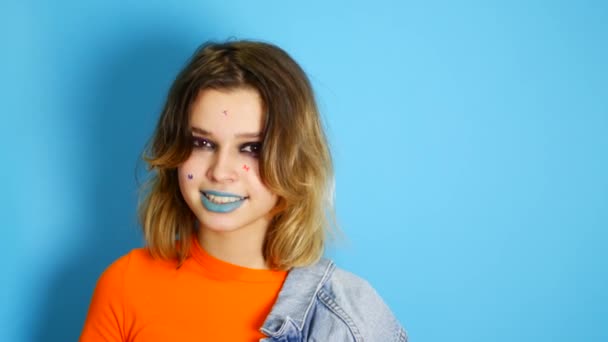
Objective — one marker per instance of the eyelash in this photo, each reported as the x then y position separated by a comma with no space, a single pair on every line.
206,144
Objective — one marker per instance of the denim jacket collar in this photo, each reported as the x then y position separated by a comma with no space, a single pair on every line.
296,297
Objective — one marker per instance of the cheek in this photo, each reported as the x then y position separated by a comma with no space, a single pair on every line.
190,170
250,170
256,183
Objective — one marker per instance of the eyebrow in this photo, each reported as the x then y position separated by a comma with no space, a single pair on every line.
239,135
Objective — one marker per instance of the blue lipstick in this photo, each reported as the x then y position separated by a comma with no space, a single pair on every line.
221,208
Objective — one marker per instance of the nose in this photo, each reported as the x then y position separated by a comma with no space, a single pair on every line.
223,167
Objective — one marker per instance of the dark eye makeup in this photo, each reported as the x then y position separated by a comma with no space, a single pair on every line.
251,148
198,142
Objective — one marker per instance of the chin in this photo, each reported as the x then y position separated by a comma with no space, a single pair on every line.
218,226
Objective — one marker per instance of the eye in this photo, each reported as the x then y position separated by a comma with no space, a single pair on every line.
198,142
253,149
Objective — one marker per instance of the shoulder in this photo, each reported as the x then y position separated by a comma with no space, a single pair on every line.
355,301
106,312
113,276
136,264
112,279
348,285
321,302
130,270
119,267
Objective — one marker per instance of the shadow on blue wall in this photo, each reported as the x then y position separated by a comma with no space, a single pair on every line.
128,82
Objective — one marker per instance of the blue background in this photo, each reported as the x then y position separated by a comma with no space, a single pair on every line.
470,141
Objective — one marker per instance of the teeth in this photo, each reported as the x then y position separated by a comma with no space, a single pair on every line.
222,199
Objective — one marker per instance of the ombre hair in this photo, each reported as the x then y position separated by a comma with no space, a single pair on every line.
295,161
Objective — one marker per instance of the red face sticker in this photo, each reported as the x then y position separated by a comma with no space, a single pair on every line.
246,167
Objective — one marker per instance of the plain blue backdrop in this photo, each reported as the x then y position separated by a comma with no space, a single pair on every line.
470,140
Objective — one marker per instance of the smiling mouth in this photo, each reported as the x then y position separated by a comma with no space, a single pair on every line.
223,199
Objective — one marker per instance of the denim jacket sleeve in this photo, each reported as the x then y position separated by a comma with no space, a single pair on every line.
349,309
324,303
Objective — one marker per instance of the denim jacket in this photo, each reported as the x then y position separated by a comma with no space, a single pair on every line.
324,303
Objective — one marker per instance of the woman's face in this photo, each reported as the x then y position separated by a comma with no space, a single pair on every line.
220,181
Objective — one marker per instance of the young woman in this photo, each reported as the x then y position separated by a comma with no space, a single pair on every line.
235,217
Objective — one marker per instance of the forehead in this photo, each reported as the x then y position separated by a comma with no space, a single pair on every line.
227,112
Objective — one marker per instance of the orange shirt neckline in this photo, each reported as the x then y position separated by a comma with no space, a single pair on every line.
223,270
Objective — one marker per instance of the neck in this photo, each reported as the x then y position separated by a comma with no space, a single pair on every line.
242,247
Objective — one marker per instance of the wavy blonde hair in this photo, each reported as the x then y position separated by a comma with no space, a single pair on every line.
295,162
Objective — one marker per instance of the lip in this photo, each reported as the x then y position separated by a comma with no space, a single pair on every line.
223,194
221,208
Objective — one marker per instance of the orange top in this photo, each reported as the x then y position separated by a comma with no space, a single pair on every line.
139,298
